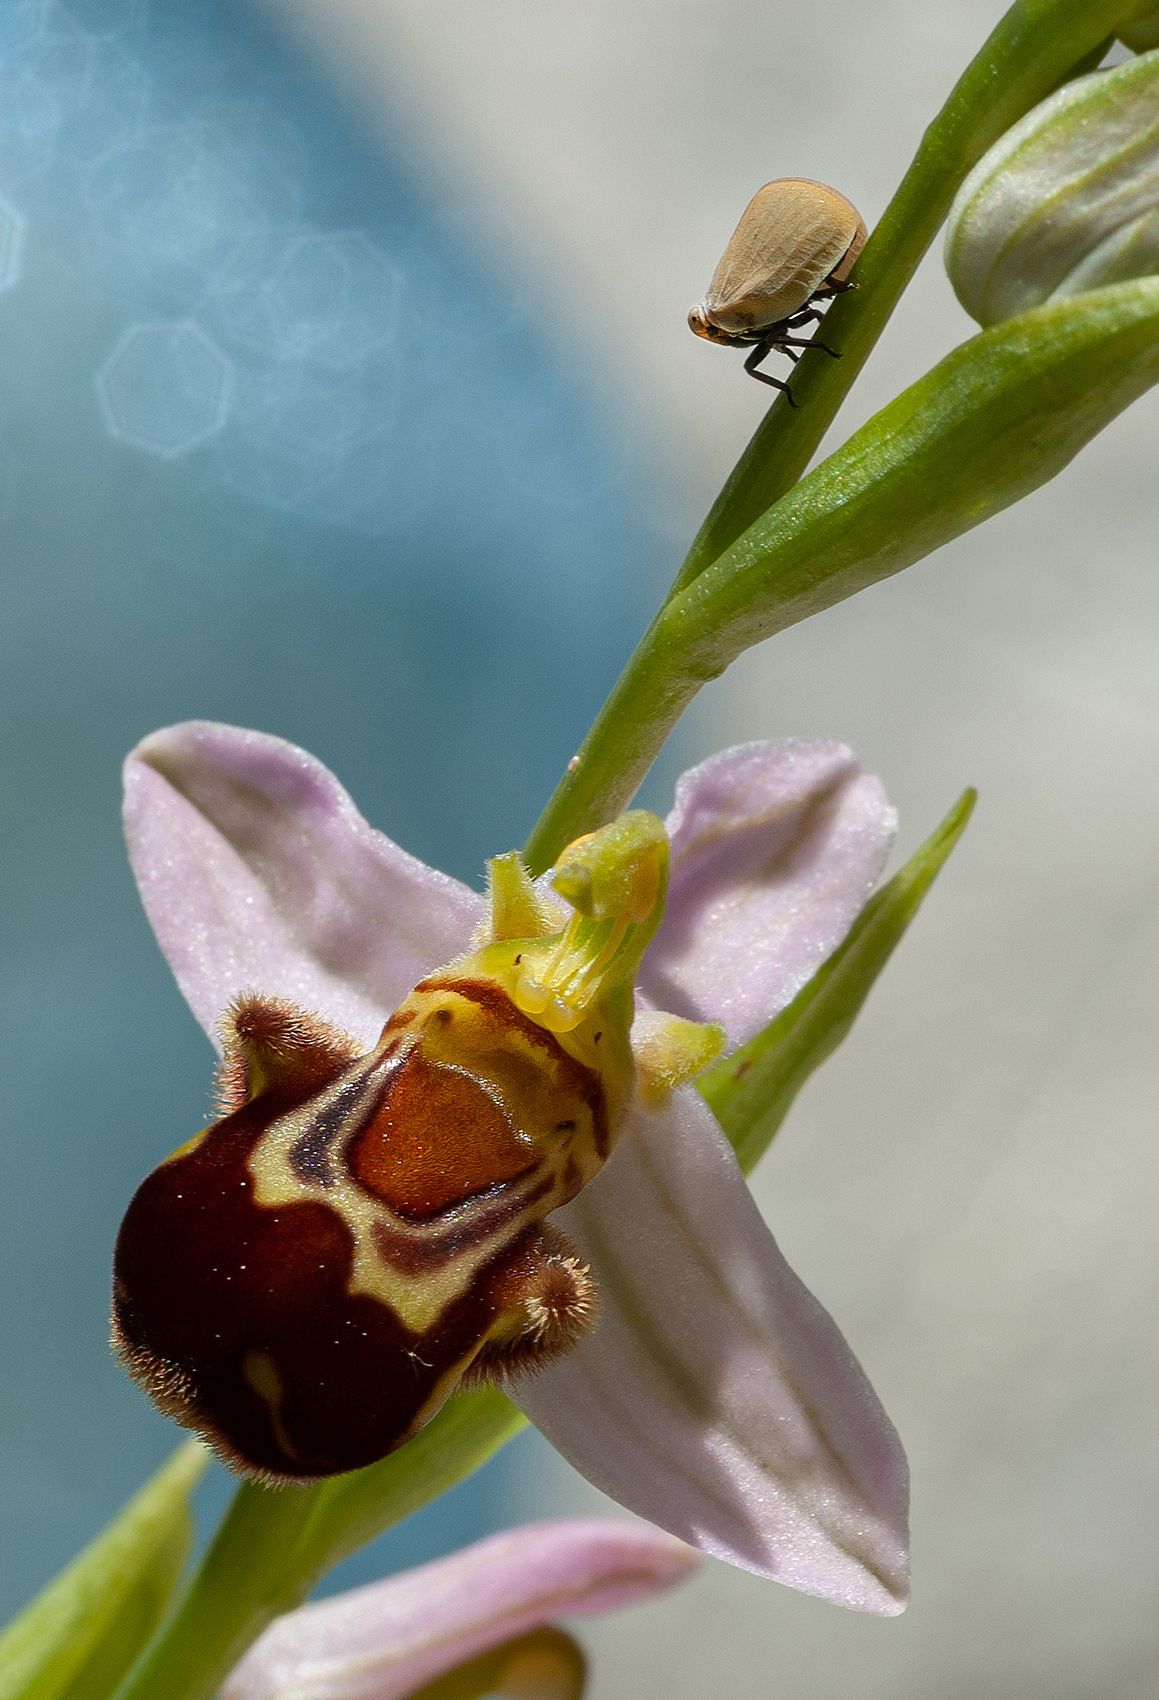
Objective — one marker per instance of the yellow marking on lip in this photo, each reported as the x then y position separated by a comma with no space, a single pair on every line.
190,1145
417,1300
261,1372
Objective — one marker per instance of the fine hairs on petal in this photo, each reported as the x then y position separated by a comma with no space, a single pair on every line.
255,1029
775,847
256,870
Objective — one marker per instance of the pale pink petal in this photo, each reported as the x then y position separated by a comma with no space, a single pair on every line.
383,1641
258,873
715,1396
775,848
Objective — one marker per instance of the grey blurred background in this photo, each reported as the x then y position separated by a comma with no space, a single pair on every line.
972,1185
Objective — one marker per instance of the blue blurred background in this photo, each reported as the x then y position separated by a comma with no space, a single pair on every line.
273,450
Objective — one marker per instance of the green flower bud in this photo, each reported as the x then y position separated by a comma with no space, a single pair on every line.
1067,201
1141,33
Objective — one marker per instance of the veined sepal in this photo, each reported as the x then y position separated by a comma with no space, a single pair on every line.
1067,201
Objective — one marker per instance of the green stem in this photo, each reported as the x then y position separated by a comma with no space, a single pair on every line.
648,699
275,1543
1035,47
251,1572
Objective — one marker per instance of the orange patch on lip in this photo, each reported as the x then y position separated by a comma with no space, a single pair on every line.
437,1138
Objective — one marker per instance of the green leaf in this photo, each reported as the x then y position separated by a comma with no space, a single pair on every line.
750,1092
1141,33
275,1543
991,422
78,1637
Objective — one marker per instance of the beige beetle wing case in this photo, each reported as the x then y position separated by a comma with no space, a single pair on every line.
793,235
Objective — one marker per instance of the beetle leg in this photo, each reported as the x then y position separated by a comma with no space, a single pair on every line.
546,1300
758,354
788,343
830,288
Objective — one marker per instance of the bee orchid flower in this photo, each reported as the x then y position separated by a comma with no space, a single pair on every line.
714,1395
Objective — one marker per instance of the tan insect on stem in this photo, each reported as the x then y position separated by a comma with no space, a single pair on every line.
795,245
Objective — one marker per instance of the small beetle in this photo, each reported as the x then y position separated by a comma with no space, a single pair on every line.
796,244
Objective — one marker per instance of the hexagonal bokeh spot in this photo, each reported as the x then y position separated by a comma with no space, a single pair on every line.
66,94
165,387
290,431
307,295
189,195
12,225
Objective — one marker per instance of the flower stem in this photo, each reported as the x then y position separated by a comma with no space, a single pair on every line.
646,702
251,1572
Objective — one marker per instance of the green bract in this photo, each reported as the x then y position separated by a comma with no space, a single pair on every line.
1067,201
80,1635
750,1092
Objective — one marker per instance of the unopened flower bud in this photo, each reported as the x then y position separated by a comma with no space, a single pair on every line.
1140,34
1066,201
